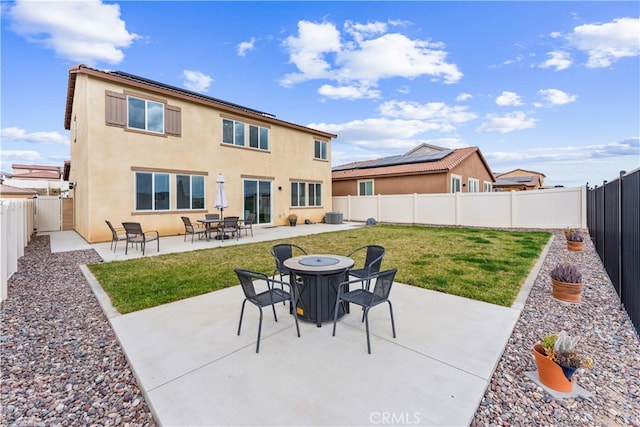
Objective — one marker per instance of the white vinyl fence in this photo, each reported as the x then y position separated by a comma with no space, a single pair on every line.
16,228
550,208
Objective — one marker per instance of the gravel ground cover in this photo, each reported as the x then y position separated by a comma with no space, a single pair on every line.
61,363
606,334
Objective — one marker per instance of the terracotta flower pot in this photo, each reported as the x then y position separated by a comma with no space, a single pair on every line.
574,246
567,292
551,373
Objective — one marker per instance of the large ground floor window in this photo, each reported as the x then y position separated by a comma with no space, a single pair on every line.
256,196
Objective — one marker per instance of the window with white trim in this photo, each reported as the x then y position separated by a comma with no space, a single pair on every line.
456,183
474,185
320,150
258,137
234,133
365,187
190,192
146,115
486,187
152,191
306,194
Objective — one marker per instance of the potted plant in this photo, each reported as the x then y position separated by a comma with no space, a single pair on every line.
293,219
568,230
566,283
574,241
557,359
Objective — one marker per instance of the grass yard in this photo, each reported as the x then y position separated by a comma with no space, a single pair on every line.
485,265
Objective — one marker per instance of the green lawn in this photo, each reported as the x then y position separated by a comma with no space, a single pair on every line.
486,265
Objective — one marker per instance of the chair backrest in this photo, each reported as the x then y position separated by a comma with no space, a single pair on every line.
230,221
246,278
212,216
373,258
114,233
384,281
132,228
283,251
250,218
187,221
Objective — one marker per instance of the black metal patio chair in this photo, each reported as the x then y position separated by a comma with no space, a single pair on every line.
270,297
136,235
116,235
367,299
189,228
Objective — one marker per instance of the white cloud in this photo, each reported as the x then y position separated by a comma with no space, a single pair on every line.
433,111
45,138
244,47
508,98
196,81
85,31
363,55
558,60
464,97
348,92
19,156
608,42
556,96
517,120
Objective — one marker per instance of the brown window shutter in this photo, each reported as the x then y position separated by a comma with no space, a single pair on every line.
116,109
173,125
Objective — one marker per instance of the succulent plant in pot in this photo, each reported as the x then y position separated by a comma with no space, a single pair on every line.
557,358
574,241
293,219
566,283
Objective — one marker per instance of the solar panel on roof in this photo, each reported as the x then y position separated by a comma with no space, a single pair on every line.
399,160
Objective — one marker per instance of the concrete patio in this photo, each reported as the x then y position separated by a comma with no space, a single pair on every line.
195,370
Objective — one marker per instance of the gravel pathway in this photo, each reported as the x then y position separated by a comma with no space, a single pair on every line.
606,334
61,363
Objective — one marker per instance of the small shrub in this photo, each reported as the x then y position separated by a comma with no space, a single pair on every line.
575,236
567,273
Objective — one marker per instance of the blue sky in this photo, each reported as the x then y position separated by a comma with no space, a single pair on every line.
547,86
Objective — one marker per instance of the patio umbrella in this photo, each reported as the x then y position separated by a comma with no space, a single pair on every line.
221,196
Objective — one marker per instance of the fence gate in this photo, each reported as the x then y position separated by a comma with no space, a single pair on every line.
48,213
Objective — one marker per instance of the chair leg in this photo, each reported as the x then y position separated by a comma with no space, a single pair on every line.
126,248
241,313
142,245
185,236
335,316
158,243
366,323
393,326
273,306
259,330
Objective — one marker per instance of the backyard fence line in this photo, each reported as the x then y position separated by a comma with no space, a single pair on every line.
16,229
613,212
547,209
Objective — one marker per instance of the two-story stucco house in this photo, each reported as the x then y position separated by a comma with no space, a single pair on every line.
425,169
148,152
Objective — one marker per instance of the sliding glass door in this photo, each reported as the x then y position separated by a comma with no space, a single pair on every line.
256,195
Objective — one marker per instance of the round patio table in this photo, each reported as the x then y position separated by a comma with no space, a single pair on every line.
316,279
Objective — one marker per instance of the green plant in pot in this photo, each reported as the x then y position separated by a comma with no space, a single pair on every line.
557,359
574,241
293,219
566,283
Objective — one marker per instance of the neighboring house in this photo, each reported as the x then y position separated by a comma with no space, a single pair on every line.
9,192
425,169
148,152
518,180
44,180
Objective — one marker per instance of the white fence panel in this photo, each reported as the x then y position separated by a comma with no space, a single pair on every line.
48,213
435,209
552,208
16,227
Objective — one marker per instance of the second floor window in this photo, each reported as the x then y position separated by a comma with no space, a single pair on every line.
233,132
320,151
145,115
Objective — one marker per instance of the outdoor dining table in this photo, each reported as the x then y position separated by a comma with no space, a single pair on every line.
208,225
315,279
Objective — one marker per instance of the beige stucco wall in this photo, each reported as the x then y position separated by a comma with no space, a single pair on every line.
103,160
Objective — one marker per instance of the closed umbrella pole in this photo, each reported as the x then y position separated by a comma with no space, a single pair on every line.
221,196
